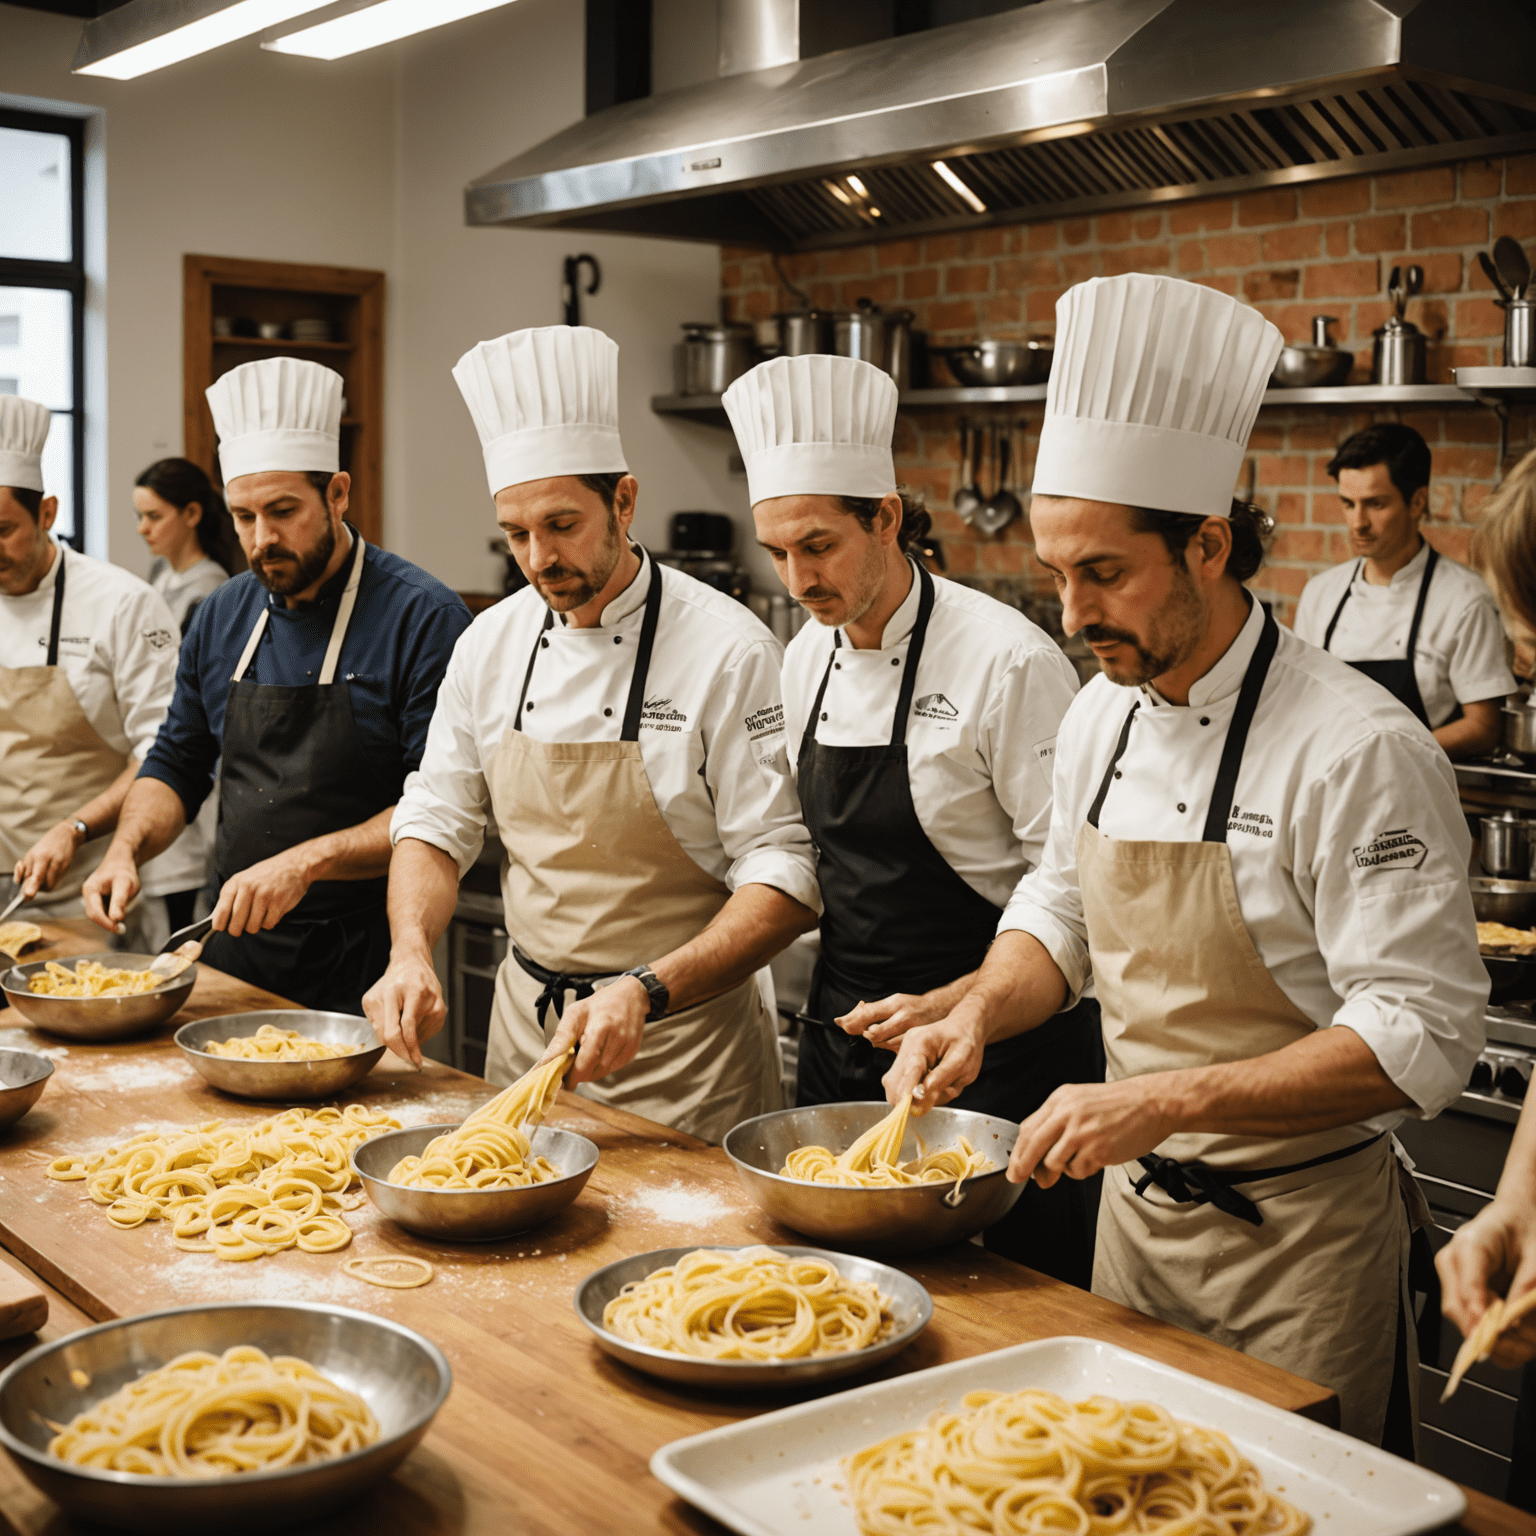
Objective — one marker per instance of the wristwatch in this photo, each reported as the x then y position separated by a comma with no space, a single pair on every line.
81,828
658,994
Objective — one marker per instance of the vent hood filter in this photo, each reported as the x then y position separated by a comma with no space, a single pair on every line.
1063,107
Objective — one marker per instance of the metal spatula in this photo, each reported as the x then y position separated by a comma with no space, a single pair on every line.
181,949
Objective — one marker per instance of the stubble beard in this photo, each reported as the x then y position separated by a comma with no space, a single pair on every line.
588,583
294,572
866,590
1173,632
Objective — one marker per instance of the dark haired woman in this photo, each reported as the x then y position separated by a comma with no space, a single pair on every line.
921,718
183,519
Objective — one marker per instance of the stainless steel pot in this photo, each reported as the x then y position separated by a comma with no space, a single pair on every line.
1519,333
1512,902
1398,353
1322,364
860,332
802,331
710,358
1506,846
1520,730
898,347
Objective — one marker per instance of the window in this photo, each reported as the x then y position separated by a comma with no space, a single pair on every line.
42,291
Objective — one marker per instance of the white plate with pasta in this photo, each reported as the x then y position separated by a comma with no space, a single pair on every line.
751,1318
789,1471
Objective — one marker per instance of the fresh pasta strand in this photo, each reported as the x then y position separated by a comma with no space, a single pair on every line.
491,1150
1021,1463
203,1415
751,1305
375,1270
238,1192
873,1161
90,978
1478,1344
270,1043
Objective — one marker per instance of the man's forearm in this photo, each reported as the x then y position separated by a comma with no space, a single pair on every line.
1477,732
1517,1184
747,932
1017,988
150,819
101,814
423,891
1327,1079
354,853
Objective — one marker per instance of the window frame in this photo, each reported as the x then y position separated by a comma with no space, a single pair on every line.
69,276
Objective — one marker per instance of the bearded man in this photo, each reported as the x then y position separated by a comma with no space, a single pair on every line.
308,682
623,726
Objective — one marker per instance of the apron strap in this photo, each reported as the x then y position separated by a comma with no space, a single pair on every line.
252,643
1349,587
1418,608
556,984
533,656
914,656
1109,773
631,731
343,612
821,692
1237,731
58,611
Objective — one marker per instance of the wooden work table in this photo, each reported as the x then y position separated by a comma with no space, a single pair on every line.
542,1433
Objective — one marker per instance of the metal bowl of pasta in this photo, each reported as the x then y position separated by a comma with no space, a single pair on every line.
886,1221
473,1215
282,1054
401,1378
95,1018
903,1309
23,1076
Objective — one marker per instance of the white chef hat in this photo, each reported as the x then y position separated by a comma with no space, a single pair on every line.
281,413
545,403
814,426
1153,392
23,431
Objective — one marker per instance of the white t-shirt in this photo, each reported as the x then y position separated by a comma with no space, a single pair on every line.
989,696
1349,849
1460,656
711,731
184,590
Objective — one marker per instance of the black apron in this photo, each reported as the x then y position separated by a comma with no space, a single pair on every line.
897,918
295,768
1395,675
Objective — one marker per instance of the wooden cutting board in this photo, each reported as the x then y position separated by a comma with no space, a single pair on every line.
23,1308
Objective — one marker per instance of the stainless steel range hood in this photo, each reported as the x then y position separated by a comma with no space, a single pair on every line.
1059,107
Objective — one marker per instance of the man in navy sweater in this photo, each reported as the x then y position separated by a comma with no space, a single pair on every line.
309,682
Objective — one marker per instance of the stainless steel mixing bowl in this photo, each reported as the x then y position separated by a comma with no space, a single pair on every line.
472,1215
23,1076
97,1018
1512,902
403,1377
989,362
884,1221
283,1081
911,1309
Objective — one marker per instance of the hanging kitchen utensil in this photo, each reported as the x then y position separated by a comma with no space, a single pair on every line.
969,496
1513,267
570,284
1491,272
1002,506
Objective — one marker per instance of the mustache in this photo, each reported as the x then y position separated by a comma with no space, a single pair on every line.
558,573
816,595
1104,634
277,552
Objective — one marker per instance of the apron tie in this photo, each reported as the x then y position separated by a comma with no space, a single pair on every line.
1195,1184
556,984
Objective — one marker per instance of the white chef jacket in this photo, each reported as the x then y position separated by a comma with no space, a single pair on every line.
1460,656
711,731
990,693
184,590
117,646
1349,849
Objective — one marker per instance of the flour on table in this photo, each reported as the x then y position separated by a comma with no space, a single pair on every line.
30,1040
677,1203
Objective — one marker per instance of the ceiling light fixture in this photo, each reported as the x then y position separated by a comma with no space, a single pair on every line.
858,186
838,193
354,25
145,35
977,206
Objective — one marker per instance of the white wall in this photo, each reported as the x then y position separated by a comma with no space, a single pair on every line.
363,163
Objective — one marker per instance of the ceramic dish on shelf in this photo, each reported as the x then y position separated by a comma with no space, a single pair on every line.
911,1310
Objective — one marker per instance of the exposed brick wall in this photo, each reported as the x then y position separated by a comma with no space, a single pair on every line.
1293,252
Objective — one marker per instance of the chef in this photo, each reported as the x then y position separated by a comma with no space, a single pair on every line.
623,726
922,718
310,679
87,665
1422,626
1259,855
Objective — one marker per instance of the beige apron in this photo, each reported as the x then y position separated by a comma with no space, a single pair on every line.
593,883
1315,1288
53,762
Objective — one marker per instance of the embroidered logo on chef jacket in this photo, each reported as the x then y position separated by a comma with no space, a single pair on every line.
934,706
158,638
768,721
1254,823
660,715
1399,847
84,640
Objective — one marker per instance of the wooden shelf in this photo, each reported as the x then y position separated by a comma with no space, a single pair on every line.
280,344
279,292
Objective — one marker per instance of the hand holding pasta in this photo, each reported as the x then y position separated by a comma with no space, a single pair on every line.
751,1305
270,1043
873,1161
491,1150
205,1415
1027,1462
90,978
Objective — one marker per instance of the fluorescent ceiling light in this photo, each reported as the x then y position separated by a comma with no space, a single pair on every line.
959,186
149,34
354,25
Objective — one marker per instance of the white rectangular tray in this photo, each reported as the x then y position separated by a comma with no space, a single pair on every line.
778,1474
